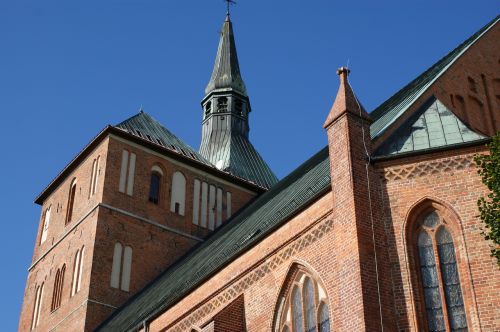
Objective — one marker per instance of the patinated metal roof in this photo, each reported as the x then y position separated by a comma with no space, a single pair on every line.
390,110
432,126
226,74
145,126
244,230
235,154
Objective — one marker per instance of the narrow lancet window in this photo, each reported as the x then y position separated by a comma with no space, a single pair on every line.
71,202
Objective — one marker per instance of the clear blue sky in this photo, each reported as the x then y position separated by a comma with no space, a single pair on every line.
68,68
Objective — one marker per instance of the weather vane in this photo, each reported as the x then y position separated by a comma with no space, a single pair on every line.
229,3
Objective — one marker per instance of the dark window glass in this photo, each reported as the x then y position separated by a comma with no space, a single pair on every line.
451,282
324,318
298,318
71,203
430,283
310,308
154,188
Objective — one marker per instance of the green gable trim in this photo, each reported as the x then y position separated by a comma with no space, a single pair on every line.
389,111
432,126
268,212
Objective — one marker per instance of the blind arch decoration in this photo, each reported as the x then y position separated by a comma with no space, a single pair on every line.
303,304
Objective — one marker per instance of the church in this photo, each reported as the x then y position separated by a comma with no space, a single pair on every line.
377,231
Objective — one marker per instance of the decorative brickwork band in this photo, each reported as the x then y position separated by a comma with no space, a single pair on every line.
267,266
428,167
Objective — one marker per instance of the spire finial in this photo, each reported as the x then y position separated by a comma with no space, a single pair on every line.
229,3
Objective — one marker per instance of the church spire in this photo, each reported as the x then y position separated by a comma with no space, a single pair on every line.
226,111
226,73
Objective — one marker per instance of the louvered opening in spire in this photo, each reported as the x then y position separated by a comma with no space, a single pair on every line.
226,74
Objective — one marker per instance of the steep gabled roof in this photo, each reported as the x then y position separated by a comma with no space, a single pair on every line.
390,110
431,126
244,230
145,126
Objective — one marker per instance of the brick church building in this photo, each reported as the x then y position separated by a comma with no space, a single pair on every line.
378,231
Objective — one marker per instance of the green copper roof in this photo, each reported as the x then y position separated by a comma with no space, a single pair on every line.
432,126
243,231
236,155
226,74
143,125
389,111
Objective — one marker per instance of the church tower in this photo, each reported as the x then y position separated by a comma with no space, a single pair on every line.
226,109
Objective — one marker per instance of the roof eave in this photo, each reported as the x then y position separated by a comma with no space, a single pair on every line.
450,147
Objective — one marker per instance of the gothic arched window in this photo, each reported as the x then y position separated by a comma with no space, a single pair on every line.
71,201
58,288
155,184
303,308
439,279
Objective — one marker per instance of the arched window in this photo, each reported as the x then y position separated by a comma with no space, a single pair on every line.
58,288
71,202
177,203
155,183
37,307
122,267
45,227
303,308
439,279
77,271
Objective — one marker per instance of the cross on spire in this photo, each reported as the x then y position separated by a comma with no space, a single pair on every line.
229,3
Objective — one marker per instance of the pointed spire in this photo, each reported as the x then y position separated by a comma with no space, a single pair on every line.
226,74
345,101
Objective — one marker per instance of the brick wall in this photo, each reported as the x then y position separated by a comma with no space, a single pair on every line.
129,220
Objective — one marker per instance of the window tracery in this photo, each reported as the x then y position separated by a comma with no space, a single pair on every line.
304,307
438,275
